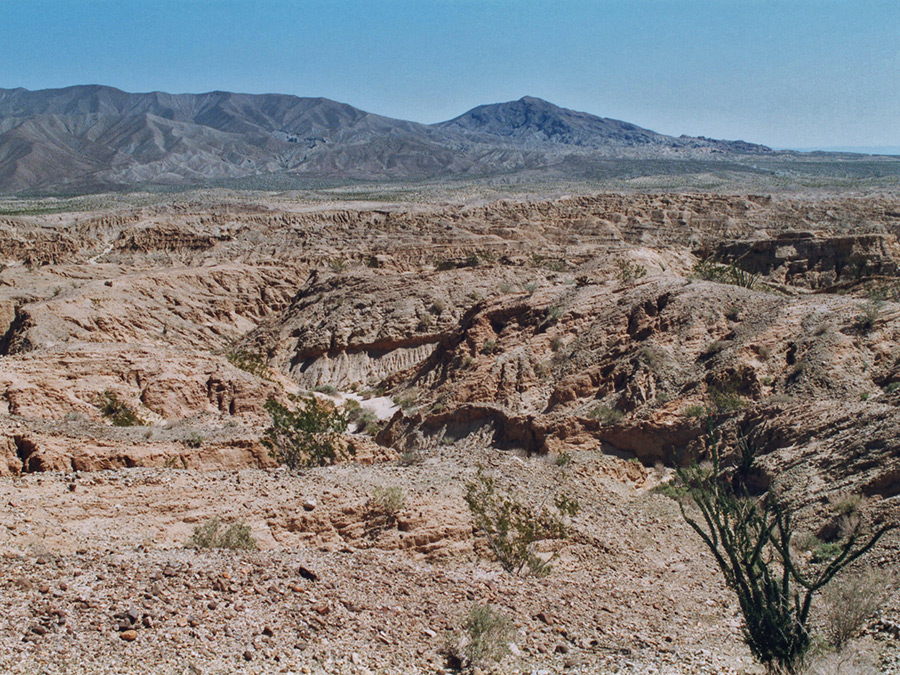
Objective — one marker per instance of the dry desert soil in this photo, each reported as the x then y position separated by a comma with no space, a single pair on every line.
584,345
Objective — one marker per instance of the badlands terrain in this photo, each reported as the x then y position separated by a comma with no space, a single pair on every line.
582,344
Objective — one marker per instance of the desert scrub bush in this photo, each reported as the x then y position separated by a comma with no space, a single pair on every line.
750,539
489,347
652,356
563,459
255,364
388,501
870,313
512,528
850,601
695,410
337,265
725,400
407,401
410,458
711,270
713,348
365,420
553,314
605,414
211,535
327,389
116,411
484,637
308,435
629,271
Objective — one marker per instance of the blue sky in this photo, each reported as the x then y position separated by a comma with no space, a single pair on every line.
787,73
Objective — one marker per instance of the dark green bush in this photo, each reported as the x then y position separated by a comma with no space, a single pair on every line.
116,411
750,539
513,528
211,535
309,435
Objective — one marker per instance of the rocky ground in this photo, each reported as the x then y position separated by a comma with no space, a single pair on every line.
583,344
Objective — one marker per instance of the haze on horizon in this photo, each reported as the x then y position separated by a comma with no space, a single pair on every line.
785,73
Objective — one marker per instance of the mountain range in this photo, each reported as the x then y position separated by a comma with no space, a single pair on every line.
90,138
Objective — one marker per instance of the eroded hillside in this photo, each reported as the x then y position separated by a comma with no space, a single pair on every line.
590,341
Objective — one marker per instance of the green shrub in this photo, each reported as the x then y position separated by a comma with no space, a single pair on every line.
513,528
489,347
366,420
606,415
309,435
388,501
255,364
850,601
869,316
725,400
211,535
711,270
410,458
116,411
407,401
629,271
485,637
695,410
553,313
327,389
750,539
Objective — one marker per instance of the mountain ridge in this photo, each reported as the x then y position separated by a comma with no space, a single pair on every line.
97,136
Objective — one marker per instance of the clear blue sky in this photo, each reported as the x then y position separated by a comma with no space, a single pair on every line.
795,73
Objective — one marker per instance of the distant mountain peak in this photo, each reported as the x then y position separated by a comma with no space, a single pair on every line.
99,137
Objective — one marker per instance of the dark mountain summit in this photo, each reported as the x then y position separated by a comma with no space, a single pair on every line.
95,137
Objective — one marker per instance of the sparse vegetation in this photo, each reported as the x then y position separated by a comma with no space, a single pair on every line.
553,313
713,348
116,411
407,401
869,315
210,534
725,400
307,436
327,389
365,420
750,539
605,414
255,364
409,458
695,410
337,265
388,501
485,637
630,271
852,599
711,270
489,347
513,528
563,459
